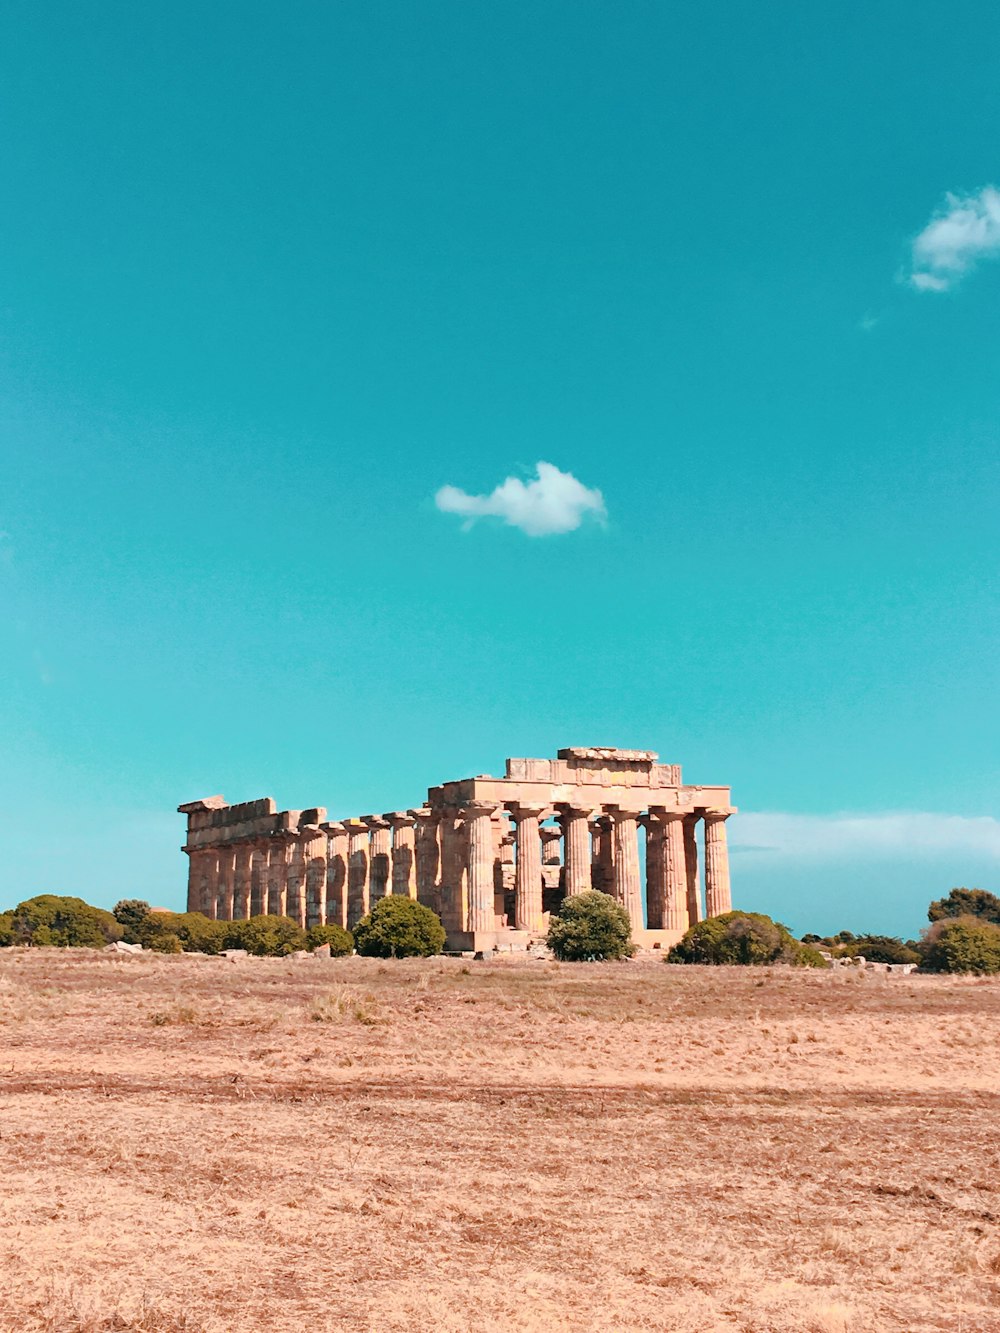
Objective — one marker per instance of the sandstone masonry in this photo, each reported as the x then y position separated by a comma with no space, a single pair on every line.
492,856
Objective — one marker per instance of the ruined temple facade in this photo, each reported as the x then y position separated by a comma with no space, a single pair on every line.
492,856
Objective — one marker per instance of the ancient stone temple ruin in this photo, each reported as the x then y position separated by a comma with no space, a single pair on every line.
492,856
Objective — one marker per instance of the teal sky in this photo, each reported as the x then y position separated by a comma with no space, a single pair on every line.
270,277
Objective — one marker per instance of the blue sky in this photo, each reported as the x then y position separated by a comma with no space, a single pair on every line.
271,278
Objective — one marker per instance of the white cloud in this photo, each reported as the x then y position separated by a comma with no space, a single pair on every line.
889,835
554,502
964,230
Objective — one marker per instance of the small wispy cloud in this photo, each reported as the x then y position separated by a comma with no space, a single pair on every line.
553,502
889,835
964,230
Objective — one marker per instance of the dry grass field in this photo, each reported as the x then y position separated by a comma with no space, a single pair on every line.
196,1144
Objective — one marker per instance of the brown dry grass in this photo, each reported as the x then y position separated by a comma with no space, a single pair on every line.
194,1144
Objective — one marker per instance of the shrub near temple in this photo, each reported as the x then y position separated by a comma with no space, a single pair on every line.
747,939
590,927
341,941
398,927
65,922
963,944
275,936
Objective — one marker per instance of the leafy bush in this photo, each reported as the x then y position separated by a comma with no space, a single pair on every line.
398,927
6,929
880,949
266,936
341,941
744,938
63,922
966,902
590,926
963,944
131,913
196,932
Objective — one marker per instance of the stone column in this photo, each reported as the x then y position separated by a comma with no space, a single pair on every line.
718,898
454,878
528,868
478,817
627,889
379,873
403,879
277,876
603,862
258,878
314,847
691,867
227,883
576,847
295,897
202,867
357,871
655,888
336,874
241,883
675,881
428,857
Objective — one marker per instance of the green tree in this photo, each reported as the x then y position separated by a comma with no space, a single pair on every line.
196,932
131,913
966,902
341,941
590,926
65,922
743,938
6,929
963,944
398,927
275,936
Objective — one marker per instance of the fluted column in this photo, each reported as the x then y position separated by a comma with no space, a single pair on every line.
655,887
576,847
336,874
258,878
295,898
241,883
379,879
403,878
718,898
277,875
528,868
202,867
478,817
428,857
454,876
357,871
551,838
603,862
691,868
675,882
314,859
627,888
227,883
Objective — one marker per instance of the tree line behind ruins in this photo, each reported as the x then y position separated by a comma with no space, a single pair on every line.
963,934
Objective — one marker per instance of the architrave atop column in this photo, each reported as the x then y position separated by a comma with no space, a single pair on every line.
718,897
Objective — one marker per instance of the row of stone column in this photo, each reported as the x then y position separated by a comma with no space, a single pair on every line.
453,860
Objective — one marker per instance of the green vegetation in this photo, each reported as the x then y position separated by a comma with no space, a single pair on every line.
398,927
744,938
966,902
50,919
590,926
963,944
341,941
265,936
873,948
